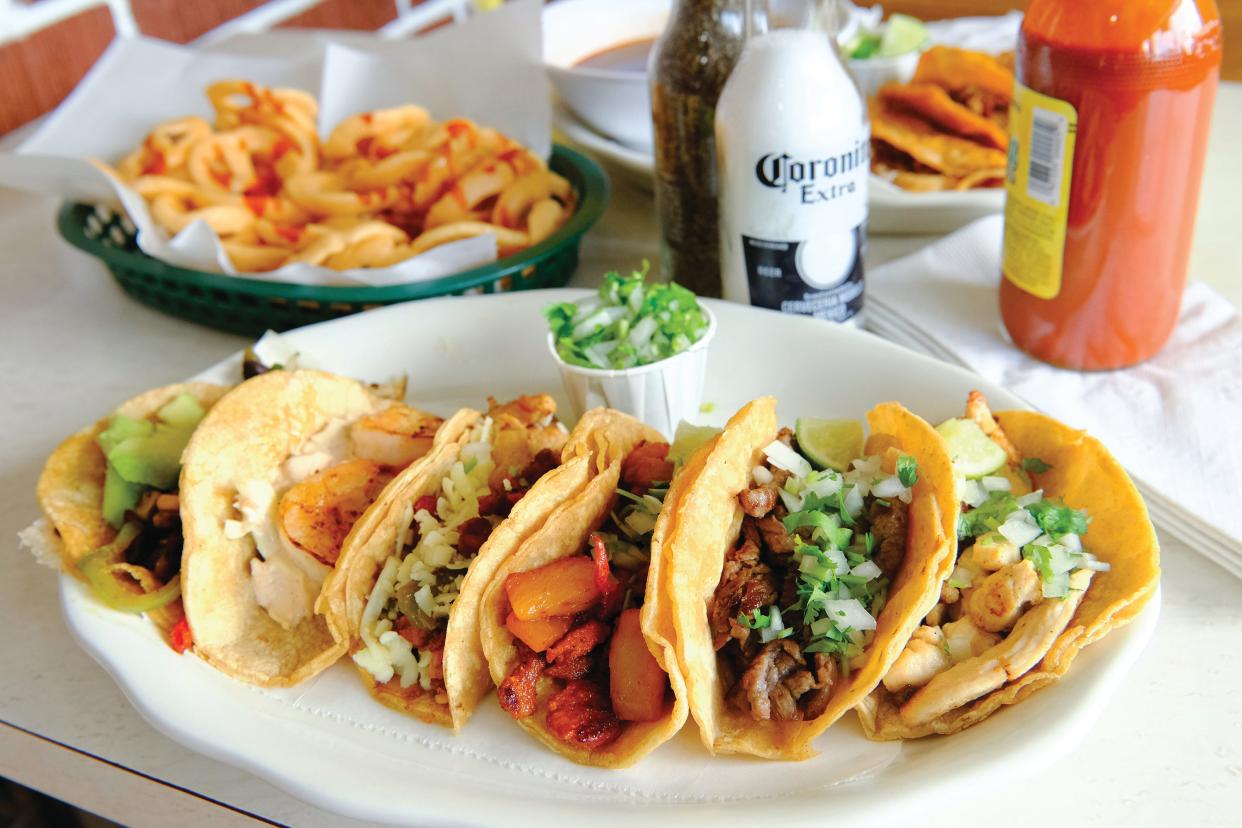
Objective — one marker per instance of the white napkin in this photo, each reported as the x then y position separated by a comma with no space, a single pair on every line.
1175,421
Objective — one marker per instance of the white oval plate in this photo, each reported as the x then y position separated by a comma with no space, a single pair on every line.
890,209
329,743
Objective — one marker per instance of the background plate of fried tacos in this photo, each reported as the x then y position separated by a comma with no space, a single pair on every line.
329,741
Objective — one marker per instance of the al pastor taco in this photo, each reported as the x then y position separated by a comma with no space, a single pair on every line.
275,478
796,568
404,599
568,621
110,494
1056,549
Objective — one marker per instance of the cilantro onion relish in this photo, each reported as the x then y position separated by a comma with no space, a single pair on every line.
630,323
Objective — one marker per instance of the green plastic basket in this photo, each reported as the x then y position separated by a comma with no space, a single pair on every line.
251,306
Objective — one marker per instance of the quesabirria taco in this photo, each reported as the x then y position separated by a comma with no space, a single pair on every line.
279,473
794,588
404,599
1056,549
574,640
110,494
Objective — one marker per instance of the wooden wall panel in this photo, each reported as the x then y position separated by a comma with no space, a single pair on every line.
40,70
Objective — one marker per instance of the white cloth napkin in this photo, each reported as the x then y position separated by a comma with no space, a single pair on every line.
1175,421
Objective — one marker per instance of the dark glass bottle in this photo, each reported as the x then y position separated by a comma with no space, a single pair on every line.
689,66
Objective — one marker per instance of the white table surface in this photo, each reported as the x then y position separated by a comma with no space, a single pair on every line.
1168,751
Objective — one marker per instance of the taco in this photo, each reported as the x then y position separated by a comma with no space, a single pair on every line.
793,589
1056,549
567,619
275,478
404,599
110,493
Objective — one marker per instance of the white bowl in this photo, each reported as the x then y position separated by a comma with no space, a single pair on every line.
617,104
661,394
873,72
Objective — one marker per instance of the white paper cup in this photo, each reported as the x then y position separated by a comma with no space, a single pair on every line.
660,394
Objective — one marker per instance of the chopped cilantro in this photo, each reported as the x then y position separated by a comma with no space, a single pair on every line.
987,516
758,622
1057,519
907,470
1034,464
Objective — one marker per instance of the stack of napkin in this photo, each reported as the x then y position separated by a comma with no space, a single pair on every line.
1175,421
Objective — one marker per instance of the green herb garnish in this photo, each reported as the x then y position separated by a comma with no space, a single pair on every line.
1034,464
907,470
631,323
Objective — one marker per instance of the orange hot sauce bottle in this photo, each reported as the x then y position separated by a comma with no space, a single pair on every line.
1107,140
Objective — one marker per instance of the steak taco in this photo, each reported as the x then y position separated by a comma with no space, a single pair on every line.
1056,549
796,567
404,599
275,478
567,621
110,494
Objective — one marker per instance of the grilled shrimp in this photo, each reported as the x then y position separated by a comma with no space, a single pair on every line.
317,514
523,427
396,436
992,552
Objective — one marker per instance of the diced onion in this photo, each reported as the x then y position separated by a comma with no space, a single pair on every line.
839,561
1071,542
962,575
866,569
1033,497
973,493
888,487
643,331
1019,532
783,457
854,502
824,484
996,483
761,475
792,501
1091,562
849,613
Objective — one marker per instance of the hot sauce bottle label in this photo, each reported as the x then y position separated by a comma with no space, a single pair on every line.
1037,186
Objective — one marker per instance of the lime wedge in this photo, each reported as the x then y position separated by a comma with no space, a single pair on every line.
973,452
902,34
830,444
687,439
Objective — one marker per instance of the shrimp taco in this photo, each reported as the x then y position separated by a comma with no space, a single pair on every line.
279,473
568,626
110,494
796,567
1056,549
404,599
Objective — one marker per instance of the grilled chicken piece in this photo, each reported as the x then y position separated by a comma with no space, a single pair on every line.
1032,636
923,658
997,602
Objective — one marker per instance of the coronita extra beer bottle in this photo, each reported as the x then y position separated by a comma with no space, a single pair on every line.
792,144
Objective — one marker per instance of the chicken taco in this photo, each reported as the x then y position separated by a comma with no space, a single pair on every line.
279,473
110,495
1056,549
568,626
796,567
404,599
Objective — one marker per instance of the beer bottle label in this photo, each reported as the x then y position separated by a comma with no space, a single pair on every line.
801,246
822,277
1042,130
